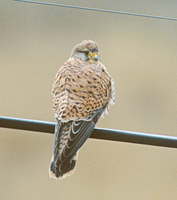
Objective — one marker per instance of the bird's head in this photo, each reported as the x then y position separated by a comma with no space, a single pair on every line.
87,50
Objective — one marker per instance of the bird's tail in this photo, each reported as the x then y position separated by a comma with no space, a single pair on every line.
63,169
61,165
69,137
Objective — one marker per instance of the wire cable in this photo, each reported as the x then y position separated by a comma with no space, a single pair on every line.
98,10
98,133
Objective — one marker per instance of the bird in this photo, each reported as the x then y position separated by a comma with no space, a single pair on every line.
82,92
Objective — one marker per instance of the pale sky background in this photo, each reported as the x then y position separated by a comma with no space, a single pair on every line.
141,56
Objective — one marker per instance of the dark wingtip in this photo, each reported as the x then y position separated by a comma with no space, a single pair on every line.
67,170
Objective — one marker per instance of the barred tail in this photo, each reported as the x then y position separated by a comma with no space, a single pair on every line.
62,170
69,137
61,164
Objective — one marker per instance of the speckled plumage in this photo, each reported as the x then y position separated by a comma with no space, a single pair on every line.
82,91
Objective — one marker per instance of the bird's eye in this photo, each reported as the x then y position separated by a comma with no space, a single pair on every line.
87,53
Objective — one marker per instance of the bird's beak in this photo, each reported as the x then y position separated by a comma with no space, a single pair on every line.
95,56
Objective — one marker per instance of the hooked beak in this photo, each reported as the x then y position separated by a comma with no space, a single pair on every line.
95,56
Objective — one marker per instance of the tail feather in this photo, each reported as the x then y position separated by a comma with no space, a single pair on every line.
62,170
69,137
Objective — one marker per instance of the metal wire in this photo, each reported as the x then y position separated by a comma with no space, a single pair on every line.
99,10
98,133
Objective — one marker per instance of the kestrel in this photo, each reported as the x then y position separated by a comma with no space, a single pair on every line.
82,91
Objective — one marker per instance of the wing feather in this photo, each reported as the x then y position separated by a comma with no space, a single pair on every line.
78,132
